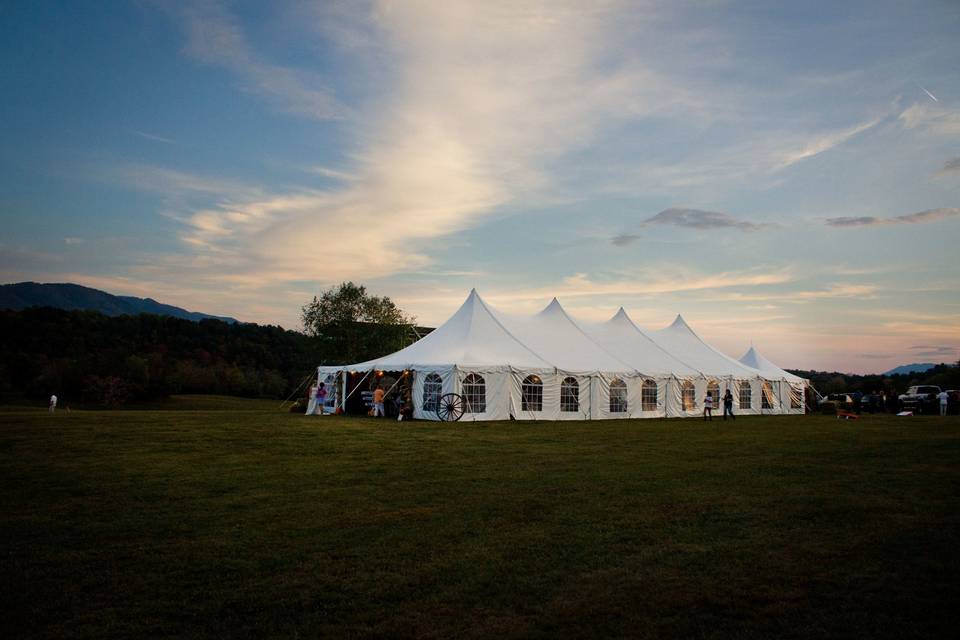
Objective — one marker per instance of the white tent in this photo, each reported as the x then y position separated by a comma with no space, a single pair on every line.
751,394
789,388
665,376
546,366
472,354
586,372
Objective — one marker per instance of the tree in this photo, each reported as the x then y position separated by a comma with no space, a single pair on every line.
350,303
354,325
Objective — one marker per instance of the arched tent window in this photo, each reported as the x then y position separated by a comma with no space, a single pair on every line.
746,395
569,395
474,394
648,396
713,388
531,394
432,388
689,396
796,396
618,396
766,395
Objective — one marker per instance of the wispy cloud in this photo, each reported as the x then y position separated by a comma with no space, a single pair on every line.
154,137
624,239
172,182
950,168
824,142
927,351
435,154
833,291
930,215
214,37
932,118
699,219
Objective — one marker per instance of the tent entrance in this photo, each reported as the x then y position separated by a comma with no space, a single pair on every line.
362,384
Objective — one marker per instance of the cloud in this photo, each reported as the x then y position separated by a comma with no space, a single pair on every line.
174,183
155,138
931,215
214,37
474,104
698,219
73,241
624,239
935,352
833,291
950,167
931,118
824,142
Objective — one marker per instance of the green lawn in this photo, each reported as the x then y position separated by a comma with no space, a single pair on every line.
196,521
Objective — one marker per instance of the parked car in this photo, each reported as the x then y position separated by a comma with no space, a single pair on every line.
844,401
920,399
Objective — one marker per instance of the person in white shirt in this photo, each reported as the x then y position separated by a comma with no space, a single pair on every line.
943,402
708,406
53,403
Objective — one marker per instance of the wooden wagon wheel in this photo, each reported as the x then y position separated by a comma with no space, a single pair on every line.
450,407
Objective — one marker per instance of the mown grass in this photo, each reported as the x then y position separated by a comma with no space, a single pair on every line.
254,522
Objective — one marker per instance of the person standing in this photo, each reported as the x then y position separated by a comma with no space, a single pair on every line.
944,398
728,405
53,403
378,403
321,398
708,406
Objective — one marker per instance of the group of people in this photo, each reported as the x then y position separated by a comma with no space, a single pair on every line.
404,408
727,406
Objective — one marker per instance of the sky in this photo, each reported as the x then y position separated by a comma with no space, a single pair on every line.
786,174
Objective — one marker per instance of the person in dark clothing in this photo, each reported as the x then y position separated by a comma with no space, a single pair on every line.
728,405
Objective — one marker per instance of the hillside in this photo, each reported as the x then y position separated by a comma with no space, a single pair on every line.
916,367
75,297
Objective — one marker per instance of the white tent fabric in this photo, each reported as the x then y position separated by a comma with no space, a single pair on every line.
753,359
473,347
622,336
579,361
546,366
790,388
749,394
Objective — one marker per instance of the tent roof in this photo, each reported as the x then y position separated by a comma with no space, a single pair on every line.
752,358
554,335
622,336
681,341
472,337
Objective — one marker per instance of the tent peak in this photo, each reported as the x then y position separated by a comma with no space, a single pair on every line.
554,308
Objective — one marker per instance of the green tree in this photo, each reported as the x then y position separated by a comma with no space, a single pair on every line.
350,303
354,325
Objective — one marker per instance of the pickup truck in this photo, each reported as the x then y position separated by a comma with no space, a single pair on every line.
922,399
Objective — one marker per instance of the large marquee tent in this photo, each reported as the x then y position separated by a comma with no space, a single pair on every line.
548,367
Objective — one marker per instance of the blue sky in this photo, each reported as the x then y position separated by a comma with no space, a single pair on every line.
783,174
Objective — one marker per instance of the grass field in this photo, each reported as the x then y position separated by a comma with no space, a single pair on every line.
216,517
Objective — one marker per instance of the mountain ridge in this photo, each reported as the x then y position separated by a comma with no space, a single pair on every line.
916,367
71,296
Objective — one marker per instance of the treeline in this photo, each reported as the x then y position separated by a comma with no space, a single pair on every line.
86,357
945,376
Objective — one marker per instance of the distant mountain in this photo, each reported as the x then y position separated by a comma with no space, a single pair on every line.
74,296
917,367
